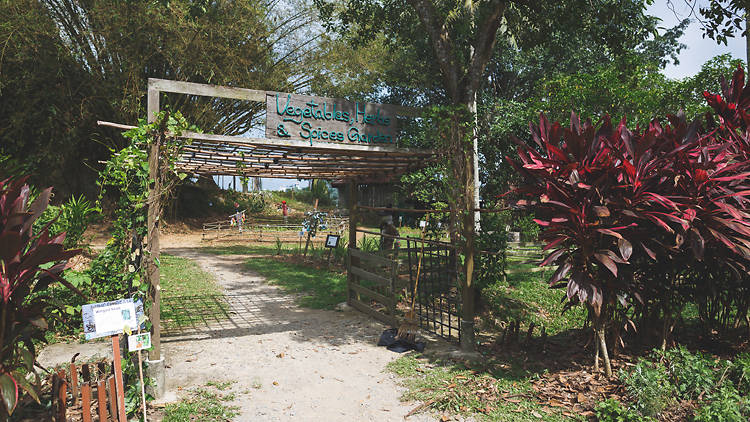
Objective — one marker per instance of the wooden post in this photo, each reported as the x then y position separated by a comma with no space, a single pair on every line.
154,208
74,383
101,395
112,397
86,402
62,396
353,261
143,386
118,379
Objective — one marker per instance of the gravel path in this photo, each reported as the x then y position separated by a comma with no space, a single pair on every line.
286,362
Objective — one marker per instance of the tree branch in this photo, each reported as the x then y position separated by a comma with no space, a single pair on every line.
442,45
486,36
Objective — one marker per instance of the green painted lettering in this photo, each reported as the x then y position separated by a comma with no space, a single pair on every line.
305,128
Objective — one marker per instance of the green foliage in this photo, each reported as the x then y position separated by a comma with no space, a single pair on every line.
691,373
741,373
67,63
492,241
654,384
648,387
71,217
724,405
124,182
611,410
369,244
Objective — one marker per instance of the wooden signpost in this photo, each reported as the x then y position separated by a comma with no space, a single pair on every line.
320,119
111,319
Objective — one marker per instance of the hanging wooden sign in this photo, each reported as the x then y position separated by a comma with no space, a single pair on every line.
320,119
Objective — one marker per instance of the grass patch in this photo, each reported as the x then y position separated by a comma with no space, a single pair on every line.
188,292
526,297
203,405
320,289
183,277
495,392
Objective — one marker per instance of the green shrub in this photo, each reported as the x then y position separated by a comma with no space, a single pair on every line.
72,217
741,373
528,227
691,374
648,386
493,240
724,405
611,410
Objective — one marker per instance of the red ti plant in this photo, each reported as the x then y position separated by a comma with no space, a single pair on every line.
571,184
607,197
28,265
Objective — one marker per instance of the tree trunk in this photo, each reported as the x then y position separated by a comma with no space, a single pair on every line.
601,345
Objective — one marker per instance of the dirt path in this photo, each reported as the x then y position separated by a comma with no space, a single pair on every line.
287,363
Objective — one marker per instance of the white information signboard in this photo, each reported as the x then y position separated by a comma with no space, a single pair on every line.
108,318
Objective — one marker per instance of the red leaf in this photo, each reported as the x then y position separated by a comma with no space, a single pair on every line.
626,249
607,261
610,232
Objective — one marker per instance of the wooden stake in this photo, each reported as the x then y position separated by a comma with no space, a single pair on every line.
74,382
118,378
86,402
112,397
101,395
143,386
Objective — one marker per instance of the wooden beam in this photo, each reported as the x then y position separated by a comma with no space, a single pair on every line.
152,229
206,90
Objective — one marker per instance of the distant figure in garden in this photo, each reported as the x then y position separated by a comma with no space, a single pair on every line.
238,217
284,210
387,229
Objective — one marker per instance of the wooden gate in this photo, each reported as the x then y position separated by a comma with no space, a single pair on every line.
371,285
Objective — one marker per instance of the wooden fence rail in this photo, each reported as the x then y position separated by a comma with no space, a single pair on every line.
73,398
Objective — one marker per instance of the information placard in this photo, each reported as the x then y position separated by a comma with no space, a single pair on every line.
108,318
332,241
139,342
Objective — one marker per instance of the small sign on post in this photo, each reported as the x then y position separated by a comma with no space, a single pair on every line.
111,319
139,342
332,241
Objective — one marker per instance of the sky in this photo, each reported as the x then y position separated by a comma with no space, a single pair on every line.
698,49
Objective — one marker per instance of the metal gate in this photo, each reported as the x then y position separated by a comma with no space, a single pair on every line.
438,300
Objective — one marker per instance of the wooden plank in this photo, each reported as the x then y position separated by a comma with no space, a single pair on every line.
112,397
74,382
101,395
359,272
385,300
206,90
388,319
86,402
375,259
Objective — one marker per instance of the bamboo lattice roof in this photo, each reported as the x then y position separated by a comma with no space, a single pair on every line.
209,154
